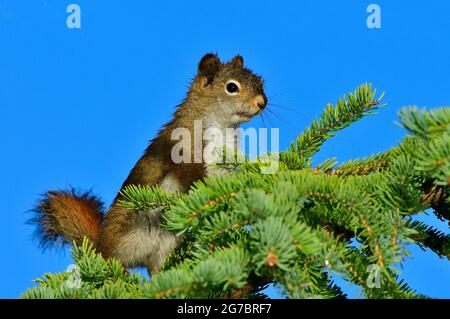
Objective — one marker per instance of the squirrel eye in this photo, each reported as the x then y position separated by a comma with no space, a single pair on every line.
233,87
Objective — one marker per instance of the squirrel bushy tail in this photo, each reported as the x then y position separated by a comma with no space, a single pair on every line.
67,216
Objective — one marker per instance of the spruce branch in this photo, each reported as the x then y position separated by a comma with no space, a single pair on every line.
143,197
349,109
425,124
375,163
432,238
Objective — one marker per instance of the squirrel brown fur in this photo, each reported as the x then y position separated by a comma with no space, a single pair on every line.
222,95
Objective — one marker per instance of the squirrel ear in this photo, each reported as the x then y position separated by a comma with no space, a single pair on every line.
238,60
208,66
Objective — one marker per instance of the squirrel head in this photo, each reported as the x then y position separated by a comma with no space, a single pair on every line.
229,92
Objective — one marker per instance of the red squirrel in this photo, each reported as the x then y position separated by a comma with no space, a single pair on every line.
222,95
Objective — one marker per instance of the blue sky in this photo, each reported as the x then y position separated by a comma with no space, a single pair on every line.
77,107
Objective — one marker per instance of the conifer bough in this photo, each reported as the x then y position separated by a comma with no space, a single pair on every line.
298,228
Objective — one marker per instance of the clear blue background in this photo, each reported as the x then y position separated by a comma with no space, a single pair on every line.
77,107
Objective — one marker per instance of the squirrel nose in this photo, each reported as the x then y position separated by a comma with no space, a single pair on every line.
261,101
